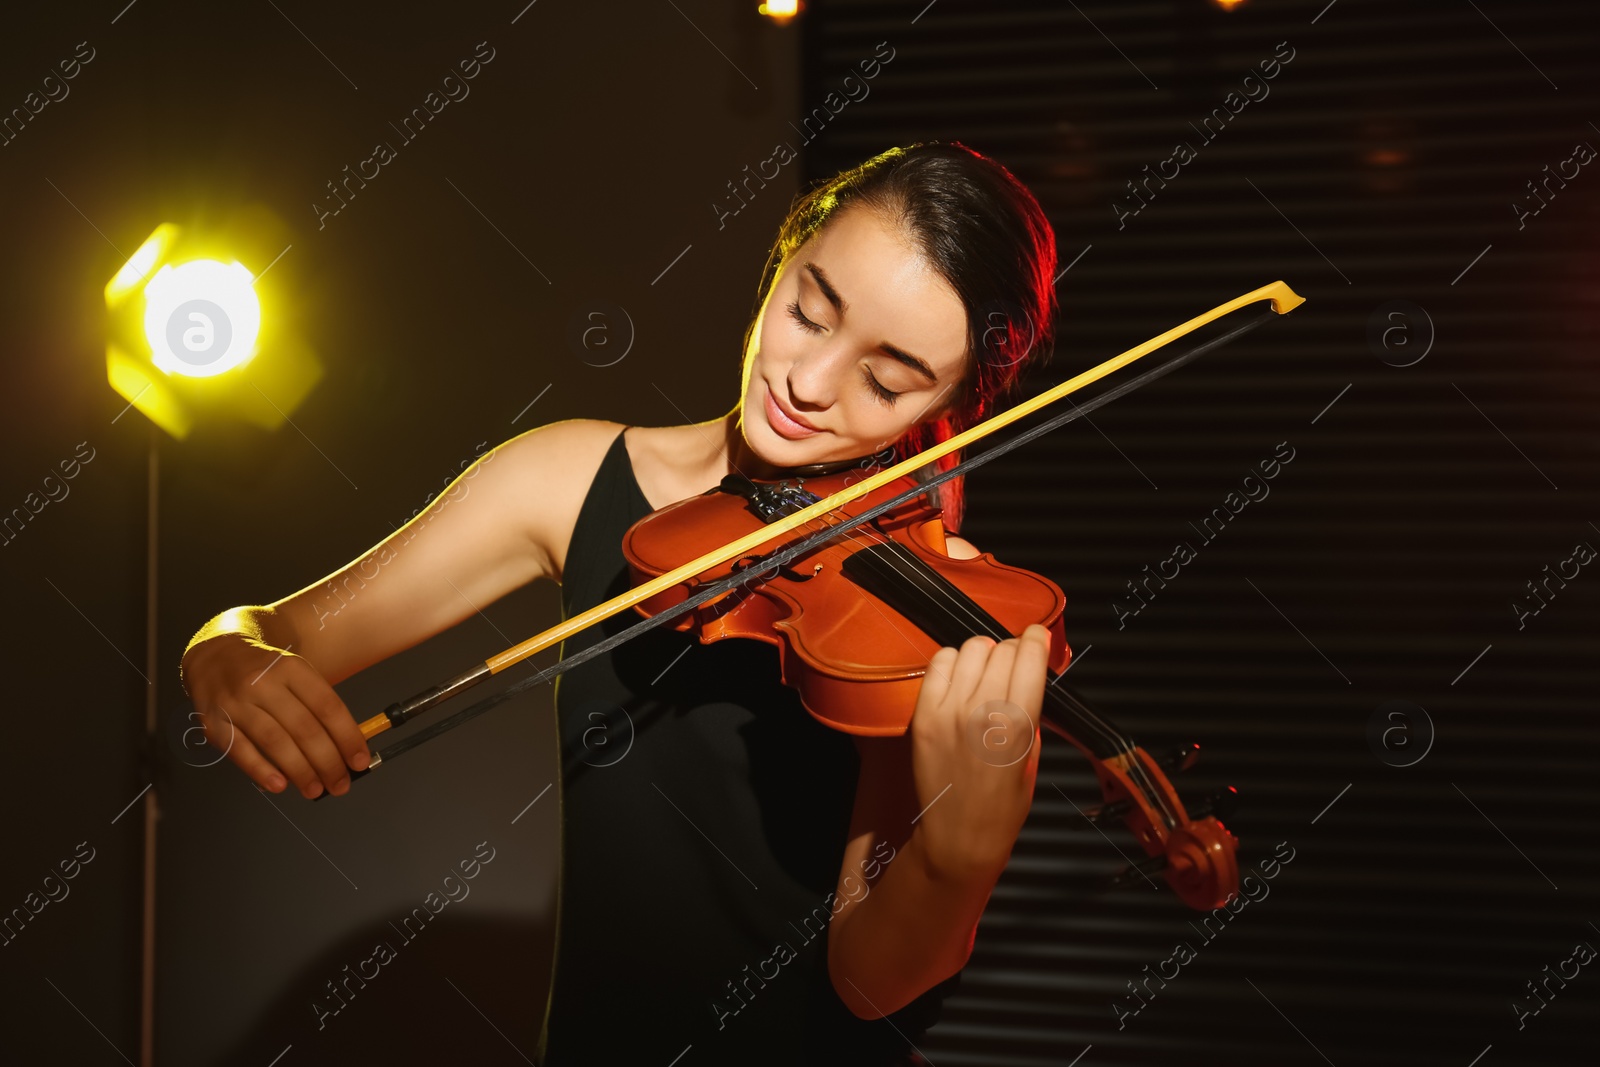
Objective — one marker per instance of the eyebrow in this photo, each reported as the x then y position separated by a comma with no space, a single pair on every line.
916,363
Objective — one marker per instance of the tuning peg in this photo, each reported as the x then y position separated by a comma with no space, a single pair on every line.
1223,803
1139,873
1180,759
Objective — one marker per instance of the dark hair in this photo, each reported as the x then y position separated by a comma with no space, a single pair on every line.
983,232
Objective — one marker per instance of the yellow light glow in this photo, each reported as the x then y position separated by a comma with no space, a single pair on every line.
140,263
1228,5
201,315
201,318
144,389
781,10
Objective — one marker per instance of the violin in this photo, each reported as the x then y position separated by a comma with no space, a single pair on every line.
857,619
722,564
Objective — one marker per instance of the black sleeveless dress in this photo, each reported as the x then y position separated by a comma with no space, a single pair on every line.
704,819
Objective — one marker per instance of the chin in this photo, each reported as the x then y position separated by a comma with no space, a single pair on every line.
779,451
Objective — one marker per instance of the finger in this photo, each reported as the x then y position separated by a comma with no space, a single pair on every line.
996,679
244,755
311,737
216,725
312,689
973,657
936,680
274,739
226,737
1030,668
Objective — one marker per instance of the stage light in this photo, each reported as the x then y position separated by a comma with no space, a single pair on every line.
1227,5
187,344
191,334
780,11
201,318
140,263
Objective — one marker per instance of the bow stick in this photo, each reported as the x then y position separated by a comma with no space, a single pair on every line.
1282,298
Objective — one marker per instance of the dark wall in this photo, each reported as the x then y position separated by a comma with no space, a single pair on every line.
1388,560
582,165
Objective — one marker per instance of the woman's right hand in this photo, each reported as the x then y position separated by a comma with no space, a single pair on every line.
274,715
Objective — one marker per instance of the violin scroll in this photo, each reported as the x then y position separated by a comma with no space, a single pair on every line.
1193,851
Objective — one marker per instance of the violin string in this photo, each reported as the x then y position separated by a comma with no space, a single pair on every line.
1121,743
715,589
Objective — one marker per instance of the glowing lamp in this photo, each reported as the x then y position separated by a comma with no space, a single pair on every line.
188,339
780,11
201,318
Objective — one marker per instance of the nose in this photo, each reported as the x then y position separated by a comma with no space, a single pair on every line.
812,380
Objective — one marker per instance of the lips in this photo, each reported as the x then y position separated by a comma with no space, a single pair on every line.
783,424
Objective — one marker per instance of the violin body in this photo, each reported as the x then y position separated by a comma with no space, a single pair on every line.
857,620
855,662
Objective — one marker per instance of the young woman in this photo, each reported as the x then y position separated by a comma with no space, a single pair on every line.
740,884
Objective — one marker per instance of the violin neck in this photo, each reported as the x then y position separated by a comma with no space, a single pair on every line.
940,609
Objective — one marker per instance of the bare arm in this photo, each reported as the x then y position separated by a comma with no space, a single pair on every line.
490,532
911,926
924,856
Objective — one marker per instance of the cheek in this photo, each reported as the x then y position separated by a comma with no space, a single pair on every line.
774,339
875,426
774,348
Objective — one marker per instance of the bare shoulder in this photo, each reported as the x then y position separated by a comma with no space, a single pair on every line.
557,463
658,455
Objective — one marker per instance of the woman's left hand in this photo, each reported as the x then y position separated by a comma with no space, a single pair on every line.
975,751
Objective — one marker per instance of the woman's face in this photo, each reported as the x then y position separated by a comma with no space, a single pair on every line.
854,314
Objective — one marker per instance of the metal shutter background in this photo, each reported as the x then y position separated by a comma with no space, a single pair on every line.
1383,562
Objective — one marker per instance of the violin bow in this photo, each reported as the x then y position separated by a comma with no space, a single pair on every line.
1282,298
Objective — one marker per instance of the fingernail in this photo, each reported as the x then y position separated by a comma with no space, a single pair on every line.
276,782
361,761
316,791
341,787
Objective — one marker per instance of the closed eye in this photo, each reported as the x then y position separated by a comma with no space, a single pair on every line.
800,317
887,396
